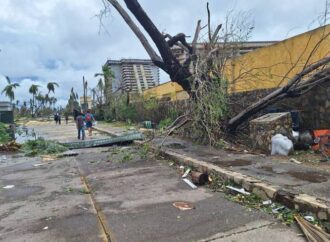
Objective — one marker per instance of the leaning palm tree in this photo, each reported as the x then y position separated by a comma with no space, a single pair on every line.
51,87
9,89
33,90
100,86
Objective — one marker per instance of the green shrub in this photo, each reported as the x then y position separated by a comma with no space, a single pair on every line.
164,123
4,134
42,147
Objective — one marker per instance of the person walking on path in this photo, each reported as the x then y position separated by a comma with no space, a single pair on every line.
89,119
66,118
80,126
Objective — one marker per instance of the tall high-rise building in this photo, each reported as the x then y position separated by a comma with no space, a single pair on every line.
133,75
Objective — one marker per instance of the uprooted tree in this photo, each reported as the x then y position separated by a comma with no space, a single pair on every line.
200,73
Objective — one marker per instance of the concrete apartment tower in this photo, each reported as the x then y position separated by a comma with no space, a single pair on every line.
133,75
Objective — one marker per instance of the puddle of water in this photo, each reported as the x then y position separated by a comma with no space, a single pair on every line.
24,134
234,163
311,176
176,146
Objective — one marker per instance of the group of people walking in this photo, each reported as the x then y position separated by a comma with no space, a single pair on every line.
84,120
57,118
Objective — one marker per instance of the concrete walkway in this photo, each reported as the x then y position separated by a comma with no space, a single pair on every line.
277,173
96,197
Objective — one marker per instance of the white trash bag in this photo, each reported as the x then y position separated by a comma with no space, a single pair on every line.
281,145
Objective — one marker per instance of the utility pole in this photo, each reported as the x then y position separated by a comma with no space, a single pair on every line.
85,106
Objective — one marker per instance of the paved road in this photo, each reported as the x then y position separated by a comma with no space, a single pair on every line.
120,193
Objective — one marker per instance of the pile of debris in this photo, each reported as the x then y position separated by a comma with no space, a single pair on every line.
10,147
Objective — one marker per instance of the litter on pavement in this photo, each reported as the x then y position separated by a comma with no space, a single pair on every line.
267,202
186,173
192,185
309,218
9,187
239,190
183,206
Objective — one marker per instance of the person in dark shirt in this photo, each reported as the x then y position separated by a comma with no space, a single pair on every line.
80,126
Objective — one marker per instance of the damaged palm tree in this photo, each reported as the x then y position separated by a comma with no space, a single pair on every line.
201,73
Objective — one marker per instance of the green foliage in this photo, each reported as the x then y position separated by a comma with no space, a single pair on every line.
210,107
164,123
4,134
144,151
42,147
150,104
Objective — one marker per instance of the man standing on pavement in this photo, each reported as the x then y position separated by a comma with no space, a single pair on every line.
89,118
80,126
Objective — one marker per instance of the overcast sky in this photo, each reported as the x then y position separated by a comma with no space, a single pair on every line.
60,40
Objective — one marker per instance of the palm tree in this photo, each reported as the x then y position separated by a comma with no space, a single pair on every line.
33,90
100,86
9,89
51,87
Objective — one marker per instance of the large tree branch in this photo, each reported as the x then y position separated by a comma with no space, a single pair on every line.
151,52
177,72
294,86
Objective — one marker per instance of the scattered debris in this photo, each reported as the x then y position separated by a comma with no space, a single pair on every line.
127,137
68,154
39,164
42,147
183,206
9,187
312,232
192,185
199,178
186,173
82,207
45,228
48,158
295,161
10,147
309,218
239,190
281,145
267,202
276,210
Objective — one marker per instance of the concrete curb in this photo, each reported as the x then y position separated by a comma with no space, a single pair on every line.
300,202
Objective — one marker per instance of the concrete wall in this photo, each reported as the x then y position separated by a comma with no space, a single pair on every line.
273,66
168,90
266,67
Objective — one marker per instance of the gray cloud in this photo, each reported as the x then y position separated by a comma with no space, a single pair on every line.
59,40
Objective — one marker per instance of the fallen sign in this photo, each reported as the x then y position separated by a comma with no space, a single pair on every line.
129,137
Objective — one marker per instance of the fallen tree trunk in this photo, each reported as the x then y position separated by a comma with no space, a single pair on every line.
295,87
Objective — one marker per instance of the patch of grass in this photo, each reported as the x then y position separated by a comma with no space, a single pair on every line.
121,155
165,123
42,147
4,135
144,151
84,191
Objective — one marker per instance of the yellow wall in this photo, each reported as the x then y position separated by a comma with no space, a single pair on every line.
267,67
166,90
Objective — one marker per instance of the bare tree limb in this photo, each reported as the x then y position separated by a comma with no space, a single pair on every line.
151,52
278,94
